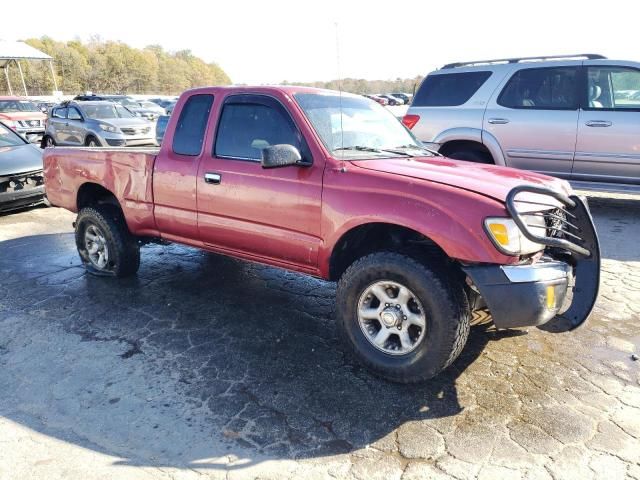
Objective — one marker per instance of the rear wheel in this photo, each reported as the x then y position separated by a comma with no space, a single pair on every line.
47,141
475,156
104,242
405,320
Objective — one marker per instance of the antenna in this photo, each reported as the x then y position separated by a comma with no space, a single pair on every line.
339,85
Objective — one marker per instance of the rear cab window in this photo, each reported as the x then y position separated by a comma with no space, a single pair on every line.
449,89
192,124
552,88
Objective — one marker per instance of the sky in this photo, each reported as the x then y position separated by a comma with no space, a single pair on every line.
260,42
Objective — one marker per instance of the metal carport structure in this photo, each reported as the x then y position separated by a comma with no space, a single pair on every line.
11,53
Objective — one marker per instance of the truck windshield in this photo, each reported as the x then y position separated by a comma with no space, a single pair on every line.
364,130
18,106
106,110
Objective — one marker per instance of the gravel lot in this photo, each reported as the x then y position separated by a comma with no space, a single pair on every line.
203,366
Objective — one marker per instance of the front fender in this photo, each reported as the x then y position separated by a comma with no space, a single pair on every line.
450,217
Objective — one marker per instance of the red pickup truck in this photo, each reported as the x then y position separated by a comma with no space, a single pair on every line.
332,185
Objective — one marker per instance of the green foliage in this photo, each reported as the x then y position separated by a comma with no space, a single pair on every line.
114,67
360,85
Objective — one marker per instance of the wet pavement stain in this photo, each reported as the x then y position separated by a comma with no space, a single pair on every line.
204,365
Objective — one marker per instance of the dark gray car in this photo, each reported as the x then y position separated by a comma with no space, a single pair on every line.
21,182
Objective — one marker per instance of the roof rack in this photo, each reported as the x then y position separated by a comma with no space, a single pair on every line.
588,56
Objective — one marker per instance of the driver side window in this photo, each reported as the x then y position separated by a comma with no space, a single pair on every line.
74,114
246,128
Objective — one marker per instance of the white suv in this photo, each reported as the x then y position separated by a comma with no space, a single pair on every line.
576,117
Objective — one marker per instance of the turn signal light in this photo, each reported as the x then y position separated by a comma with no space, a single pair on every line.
410,121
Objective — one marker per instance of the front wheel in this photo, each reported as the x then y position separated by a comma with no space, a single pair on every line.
404,320
104,242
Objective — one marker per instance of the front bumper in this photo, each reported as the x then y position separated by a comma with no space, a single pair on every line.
33,135
534,294
21,198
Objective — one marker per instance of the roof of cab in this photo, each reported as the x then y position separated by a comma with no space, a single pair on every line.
288,89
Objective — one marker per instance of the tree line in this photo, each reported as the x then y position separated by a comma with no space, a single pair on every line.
114,67
360,85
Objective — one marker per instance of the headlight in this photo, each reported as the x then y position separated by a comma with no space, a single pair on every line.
508,238
108,128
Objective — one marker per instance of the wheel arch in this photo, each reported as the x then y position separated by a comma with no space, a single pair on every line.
91,194
370,237
476,137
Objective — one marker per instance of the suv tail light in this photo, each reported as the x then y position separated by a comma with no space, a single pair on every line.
410,121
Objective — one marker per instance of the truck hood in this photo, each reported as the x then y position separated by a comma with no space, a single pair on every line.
20,159
489,180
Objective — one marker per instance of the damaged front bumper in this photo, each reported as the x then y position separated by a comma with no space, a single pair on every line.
534,294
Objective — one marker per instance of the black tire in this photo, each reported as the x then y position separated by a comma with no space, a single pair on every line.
91,139
471,156
124,252
442,297
45,140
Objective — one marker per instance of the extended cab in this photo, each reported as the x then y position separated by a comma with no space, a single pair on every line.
332,185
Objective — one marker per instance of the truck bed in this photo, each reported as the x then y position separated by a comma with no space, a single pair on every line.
124,172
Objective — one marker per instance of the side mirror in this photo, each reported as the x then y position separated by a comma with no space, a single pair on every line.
280,156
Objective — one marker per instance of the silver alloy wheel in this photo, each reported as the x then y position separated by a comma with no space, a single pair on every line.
391,317
49,142
96,246
92,143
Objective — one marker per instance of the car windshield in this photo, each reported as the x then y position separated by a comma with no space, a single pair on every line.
127,102
363,130
18,106
9,138
106,110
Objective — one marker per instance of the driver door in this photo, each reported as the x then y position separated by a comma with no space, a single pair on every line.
271,215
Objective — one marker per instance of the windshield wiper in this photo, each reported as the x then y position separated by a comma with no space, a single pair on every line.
418,147
362,148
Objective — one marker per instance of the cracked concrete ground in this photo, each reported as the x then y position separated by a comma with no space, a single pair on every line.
203,366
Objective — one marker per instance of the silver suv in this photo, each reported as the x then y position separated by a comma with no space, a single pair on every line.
97,124
576,117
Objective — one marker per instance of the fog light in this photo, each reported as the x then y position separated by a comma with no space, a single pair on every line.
551,297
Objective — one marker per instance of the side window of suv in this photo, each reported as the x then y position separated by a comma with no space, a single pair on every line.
613,88
246,128
59,112
189,134
542,89
449,89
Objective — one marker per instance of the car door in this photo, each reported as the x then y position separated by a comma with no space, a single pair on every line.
272,215
57,125
74,129
608,146
534,118
176,169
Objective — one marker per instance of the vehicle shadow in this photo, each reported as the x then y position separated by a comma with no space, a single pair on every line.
617,225
197,358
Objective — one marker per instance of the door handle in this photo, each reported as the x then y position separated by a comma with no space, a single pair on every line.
213,178
598,123
498,121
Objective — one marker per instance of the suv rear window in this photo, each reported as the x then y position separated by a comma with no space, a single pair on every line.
449,89
542,89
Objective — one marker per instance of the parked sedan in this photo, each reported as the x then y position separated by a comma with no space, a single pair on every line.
96,124
377,98
21,182
167,104
405,97
392,100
